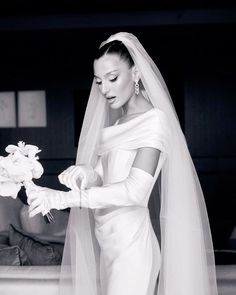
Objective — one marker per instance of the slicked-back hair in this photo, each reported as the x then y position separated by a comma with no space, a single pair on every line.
115,47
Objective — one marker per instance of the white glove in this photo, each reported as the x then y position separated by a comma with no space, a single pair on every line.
43,199
80,176
133,191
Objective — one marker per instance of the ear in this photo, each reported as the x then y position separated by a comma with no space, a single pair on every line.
135,74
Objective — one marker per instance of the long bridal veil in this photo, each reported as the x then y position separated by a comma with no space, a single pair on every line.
187,257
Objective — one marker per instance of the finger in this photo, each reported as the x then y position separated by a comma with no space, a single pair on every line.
76,183
35,211
70,178
80,180
36,203
61,176
65,180
31,197
67,170
44,212
29,201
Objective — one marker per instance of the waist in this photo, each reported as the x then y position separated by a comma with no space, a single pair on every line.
116,214
105,211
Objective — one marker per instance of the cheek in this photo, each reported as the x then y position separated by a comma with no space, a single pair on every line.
125,86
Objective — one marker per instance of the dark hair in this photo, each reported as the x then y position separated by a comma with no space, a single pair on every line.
115,47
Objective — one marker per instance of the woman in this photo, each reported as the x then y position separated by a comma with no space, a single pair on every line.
131,133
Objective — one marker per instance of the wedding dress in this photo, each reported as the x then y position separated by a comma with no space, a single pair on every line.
130,253
115,251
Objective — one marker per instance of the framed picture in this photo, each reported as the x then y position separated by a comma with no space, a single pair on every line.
7,109
32,108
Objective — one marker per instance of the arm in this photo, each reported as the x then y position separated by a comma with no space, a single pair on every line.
147,159
129,192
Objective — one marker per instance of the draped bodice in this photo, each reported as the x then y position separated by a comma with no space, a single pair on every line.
116,165
119,143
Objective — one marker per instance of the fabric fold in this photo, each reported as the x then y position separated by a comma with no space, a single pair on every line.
149,129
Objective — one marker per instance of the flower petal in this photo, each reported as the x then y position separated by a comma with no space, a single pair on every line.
11,148
9,189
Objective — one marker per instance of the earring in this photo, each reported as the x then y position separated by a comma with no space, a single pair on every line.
136,87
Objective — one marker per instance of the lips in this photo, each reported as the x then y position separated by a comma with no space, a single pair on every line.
111,99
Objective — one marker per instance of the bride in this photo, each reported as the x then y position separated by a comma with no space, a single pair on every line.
130,138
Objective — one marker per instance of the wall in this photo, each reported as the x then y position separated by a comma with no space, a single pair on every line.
198,64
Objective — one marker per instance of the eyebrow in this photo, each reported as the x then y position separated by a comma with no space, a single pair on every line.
110,72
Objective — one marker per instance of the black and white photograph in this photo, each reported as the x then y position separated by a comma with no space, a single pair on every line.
118,147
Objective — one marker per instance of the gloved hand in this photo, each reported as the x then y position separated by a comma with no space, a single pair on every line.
80,176
133,191
43,199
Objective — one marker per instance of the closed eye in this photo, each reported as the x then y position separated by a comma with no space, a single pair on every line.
98,82
114,79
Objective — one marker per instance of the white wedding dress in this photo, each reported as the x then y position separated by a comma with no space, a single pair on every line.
130,253
127,258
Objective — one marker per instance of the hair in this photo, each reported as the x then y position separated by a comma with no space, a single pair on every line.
115,47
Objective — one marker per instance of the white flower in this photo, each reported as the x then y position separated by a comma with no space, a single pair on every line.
25,149
20,166
9,189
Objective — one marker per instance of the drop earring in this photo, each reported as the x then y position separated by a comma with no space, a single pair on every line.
136,87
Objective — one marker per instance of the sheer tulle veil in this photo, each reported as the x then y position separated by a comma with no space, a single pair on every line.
187,265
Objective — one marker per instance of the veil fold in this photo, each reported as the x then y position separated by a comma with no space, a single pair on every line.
187,257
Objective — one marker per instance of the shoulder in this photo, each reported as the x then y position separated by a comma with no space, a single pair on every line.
160,115
157,119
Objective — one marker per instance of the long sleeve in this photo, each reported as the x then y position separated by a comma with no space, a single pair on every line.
129,192
132,191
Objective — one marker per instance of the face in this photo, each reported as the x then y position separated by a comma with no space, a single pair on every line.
115,79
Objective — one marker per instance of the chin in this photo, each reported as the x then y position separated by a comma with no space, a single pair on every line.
115,106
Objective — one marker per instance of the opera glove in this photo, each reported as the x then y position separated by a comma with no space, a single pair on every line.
80,176
132,191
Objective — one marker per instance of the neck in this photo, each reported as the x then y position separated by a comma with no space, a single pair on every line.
130,106
136,104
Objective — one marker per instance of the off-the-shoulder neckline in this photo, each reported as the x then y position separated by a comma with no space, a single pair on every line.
133,119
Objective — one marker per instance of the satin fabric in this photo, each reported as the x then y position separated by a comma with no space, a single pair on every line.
130,253
187,256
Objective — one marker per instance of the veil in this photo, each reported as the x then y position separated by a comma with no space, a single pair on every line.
187,257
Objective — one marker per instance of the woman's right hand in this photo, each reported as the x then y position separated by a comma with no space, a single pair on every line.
77,177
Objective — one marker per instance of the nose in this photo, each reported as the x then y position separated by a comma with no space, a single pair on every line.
104,88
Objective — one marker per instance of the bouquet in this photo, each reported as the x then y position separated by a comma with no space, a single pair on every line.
18,169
